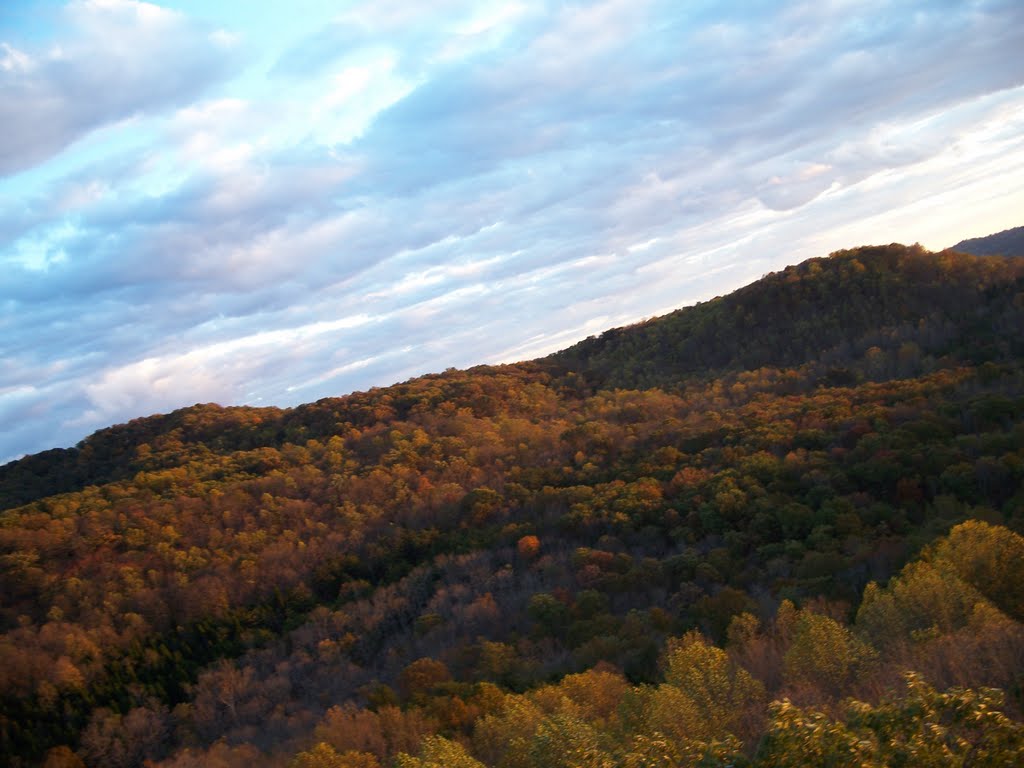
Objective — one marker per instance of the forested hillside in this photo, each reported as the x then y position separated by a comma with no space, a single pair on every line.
832,314
1009,242
777,528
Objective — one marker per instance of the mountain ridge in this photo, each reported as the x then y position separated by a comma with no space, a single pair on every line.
900,285
661,351
1009,242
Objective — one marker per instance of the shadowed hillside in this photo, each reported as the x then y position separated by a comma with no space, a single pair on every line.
828,312
1009,242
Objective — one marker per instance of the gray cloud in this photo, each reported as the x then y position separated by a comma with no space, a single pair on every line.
115,64
593,164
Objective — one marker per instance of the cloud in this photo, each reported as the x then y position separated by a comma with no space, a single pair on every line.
476,183
419,35
114,64
731,89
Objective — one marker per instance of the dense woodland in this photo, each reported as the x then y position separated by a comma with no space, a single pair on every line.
779,528
1009,242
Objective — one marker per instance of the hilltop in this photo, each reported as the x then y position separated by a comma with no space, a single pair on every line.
826,313
799,486
1009,242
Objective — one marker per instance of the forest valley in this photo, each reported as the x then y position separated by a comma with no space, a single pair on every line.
778,528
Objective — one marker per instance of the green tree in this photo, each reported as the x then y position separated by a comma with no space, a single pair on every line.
826,655
439,752
799,738
991,559
567,741
724,695
922,728
325,756
422,676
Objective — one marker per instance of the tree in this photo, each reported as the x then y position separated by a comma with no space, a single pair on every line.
422,676
62,757
528,547
924,596
596,693
567,741
549,613
501,739
991,559
921,728
800,738
725,696
439,752
125,741
826,655
325,756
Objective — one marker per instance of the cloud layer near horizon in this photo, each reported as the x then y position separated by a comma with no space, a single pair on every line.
217,208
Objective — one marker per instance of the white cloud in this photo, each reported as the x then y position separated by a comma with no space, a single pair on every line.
14,60
113,64
419,186
356,94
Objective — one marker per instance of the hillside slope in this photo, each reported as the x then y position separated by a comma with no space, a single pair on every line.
408,570
1009,242
823,311
909,307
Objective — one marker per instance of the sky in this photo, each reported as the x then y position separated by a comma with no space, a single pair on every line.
269,203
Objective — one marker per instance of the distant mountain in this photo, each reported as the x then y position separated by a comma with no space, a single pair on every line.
1009,242
826,312
617,555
